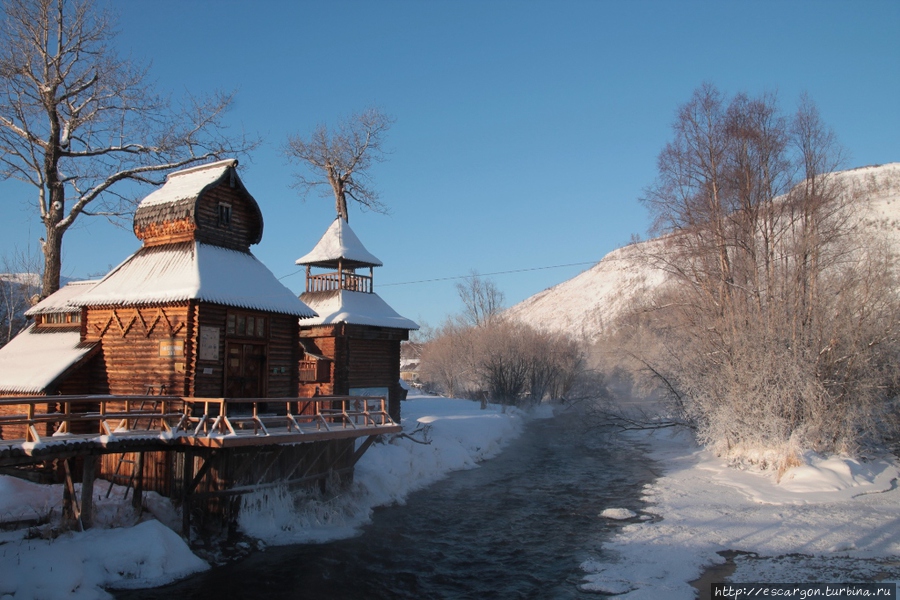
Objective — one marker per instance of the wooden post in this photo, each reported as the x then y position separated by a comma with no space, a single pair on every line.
71,512
87,491
186,478
137,499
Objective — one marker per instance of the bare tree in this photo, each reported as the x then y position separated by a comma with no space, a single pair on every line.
19,287
481,298
76,120
342,159
506,361
778,331
446,360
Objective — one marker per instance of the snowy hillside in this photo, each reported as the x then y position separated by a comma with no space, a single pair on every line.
590,303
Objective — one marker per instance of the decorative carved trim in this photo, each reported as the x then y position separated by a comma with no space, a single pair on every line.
149,330
102,330
147,323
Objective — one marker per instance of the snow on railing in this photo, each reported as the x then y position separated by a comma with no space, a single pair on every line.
184,417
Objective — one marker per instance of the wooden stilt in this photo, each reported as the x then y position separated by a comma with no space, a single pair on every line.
187,476
71,511
88,473
137,498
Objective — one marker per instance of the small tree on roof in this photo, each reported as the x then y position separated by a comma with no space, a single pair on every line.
341,159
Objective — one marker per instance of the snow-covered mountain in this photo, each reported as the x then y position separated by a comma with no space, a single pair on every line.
590,303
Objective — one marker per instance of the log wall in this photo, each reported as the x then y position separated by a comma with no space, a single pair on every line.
142,347
362,356
244,224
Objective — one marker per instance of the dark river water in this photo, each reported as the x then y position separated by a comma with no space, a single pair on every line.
518,526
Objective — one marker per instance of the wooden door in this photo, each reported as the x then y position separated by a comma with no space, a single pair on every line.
245,370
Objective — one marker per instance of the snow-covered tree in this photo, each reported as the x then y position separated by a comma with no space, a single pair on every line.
779,331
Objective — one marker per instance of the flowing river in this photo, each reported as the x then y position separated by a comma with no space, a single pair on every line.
518,526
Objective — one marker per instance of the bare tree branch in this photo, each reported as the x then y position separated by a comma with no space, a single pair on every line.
342,159
77,121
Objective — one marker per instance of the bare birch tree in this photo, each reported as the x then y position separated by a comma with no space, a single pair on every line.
481,298
77,121
341,159
778,332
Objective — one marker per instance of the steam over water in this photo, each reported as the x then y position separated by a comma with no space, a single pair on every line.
518,526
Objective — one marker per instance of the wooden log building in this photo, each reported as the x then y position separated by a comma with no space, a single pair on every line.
193,313
353,345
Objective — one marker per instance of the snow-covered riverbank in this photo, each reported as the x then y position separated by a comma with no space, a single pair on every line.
120,554
830,520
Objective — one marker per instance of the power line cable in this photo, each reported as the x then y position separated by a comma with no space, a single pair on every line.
469,276
578,264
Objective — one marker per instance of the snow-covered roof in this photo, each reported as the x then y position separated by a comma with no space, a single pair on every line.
31,362
60,301
339,242
194,271
178,198
355,308
188,183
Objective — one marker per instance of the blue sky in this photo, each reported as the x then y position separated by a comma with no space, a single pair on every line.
525,131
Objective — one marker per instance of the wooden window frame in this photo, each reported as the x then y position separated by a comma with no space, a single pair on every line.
225,214
237,322
50,320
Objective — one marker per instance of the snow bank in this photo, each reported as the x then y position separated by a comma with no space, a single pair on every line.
80,565
35,564
444,435
839,513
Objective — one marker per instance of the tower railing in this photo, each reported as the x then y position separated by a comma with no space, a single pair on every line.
326,282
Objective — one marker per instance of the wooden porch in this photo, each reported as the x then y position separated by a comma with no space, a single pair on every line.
221,447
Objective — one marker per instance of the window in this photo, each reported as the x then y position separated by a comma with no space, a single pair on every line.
60,319
224,214
245,325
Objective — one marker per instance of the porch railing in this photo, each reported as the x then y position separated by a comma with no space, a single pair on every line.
177,417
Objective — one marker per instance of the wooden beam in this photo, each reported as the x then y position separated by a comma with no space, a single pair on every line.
187,473
71,510
362,449
202,471
88,473
137,476
248,463
274,457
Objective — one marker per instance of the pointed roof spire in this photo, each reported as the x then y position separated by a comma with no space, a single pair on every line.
339,244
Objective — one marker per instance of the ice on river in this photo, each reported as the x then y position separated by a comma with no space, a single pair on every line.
618,514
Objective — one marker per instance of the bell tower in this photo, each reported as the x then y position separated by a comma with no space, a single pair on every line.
353,345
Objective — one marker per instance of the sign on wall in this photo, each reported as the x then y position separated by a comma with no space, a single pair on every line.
171,348
209,343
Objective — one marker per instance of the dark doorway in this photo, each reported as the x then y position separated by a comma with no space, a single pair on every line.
245,370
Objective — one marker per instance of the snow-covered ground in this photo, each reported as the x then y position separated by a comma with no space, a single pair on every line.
840,512
834,519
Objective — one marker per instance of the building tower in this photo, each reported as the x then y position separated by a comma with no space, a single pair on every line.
353,346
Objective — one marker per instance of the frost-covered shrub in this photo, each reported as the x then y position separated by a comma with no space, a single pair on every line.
778,330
